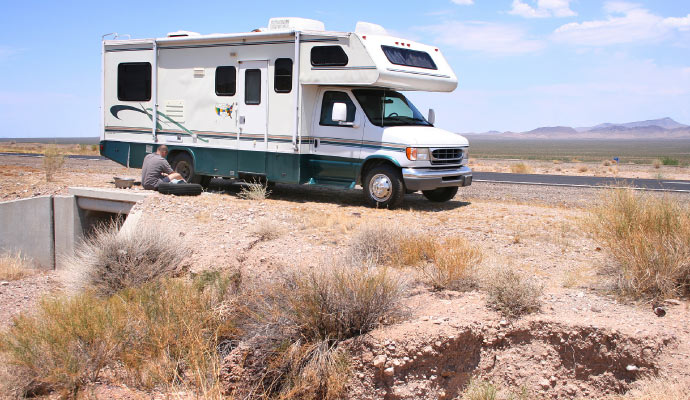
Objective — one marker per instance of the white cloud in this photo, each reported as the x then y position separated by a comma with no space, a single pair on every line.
544,9
485,37
463,2
626,23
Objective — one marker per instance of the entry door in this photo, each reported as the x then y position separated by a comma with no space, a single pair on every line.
252,114
336,146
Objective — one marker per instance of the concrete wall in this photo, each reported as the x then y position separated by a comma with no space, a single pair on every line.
27,226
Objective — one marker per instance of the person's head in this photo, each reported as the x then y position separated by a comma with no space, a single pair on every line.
162,150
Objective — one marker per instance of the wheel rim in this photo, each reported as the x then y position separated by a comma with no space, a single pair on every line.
183,168
380,187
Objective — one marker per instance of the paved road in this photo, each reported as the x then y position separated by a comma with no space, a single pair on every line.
526,179
584,181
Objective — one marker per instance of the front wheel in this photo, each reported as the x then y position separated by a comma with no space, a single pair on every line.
441,194
383,187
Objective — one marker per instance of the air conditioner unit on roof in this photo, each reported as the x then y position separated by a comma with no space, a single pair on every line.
295,24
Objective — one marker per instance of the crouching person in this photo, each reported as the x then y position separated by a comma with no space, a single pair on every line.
157,170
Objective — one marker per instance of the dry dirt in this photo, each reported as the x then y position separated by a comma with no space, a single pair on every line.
604,168
584,343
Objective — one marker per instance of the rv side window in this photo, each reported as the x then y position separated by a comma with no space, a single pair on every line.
328,56
134,81
226,78
252,86
408,57
282,79
327,107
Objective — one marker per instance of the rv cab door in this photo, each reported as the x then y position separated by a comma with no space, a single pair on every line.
336,145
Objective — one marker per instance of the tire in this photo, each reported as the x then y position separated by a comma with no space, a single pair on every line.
383,187
180,189
441,194
183,164
205,181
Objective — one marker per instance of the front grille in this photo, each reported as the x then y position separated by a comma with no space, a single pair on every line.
446,156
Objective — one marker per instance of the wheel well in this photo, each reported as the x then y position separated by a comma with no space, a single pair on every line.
174,153
371,163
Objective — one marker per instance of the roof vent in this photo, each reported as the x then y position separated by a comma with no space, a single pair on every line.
295,24
369,28
183,34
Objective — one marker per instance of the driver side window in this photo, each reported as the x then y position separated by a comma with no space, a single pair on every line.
331,97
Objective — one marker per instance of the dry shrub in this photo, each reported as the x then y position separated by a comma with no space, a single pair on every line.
656,163
454,265
111,260
376,244
13,266
606,163
298,321
53,159
649,237
414,248
513,294
582,168
267,229
521,168
557,161
485,390
656,388
163,333
332,220
256,191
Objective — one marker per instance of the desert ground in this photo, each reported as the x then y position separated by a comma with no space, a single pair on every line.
583,341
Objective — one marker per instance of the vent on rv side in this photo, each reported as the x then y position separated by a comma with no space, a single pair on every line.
328,56
175,110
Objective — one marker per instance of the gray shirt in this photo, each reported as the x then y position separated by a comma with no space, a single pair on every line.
152,171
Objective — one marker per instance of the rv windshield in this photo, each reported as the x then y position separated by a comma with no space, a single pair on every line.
388,108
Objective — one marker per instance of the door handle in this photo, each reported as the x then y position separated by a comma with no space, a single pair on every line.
241,119
316,143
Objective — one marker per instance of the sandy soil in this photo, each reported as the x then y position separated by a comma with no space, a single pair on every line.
584,342
583,169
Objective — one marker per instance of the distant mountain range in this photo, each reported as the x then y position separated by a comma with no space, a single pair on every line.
664,128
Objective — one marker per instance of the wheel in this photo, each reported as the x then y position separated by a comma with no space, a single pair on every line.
383,187
180,189
441,194
184,165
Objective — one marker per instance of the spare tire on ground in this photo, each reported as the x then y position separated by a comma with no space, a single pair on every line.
180,189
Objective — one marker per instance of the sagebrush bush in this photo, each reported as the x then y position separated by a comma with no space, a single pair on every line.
267,229
453,265
649,238
513,294
521,168
53,159
111,260
162,333
375,244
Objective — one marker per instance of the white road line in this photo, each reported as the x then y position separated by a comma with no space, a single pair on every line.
583,186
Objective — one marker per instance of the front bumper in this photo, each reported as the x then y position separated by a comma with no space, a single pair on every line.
433,178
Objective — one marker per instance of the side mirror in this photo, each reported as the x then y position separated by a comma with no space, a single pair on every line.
432,116
339,113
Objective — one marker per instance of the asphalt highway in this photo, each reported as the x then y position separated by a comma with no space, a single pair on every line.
524,179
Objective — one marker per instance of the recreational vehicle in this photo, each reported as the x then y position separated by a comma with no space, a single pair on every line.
289,103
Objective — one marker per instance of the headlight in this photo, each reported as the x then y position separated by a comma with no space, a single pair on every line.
417,153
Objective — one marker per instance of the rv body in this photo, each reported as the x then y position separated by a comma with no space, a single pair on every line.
292,103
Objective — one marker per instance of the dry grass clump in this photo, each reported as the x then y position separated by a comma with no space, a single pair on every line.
656,163
13,266
53,159
256,191
453,265
606,163
485,390
111,260
649,237
513,294
164,333
656,388
582,168
448,264
267,229
521,168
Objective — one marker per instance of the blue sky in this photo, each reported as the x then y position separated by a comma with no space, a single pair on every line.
521,63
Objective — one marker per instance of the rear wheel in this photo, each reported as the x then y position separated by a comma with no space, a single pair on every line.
441,194
184,165
383,187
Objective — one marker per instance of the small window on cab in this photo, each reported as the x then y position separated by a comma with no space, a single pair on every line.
226,81
282,77
134,81
331,97
328,56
